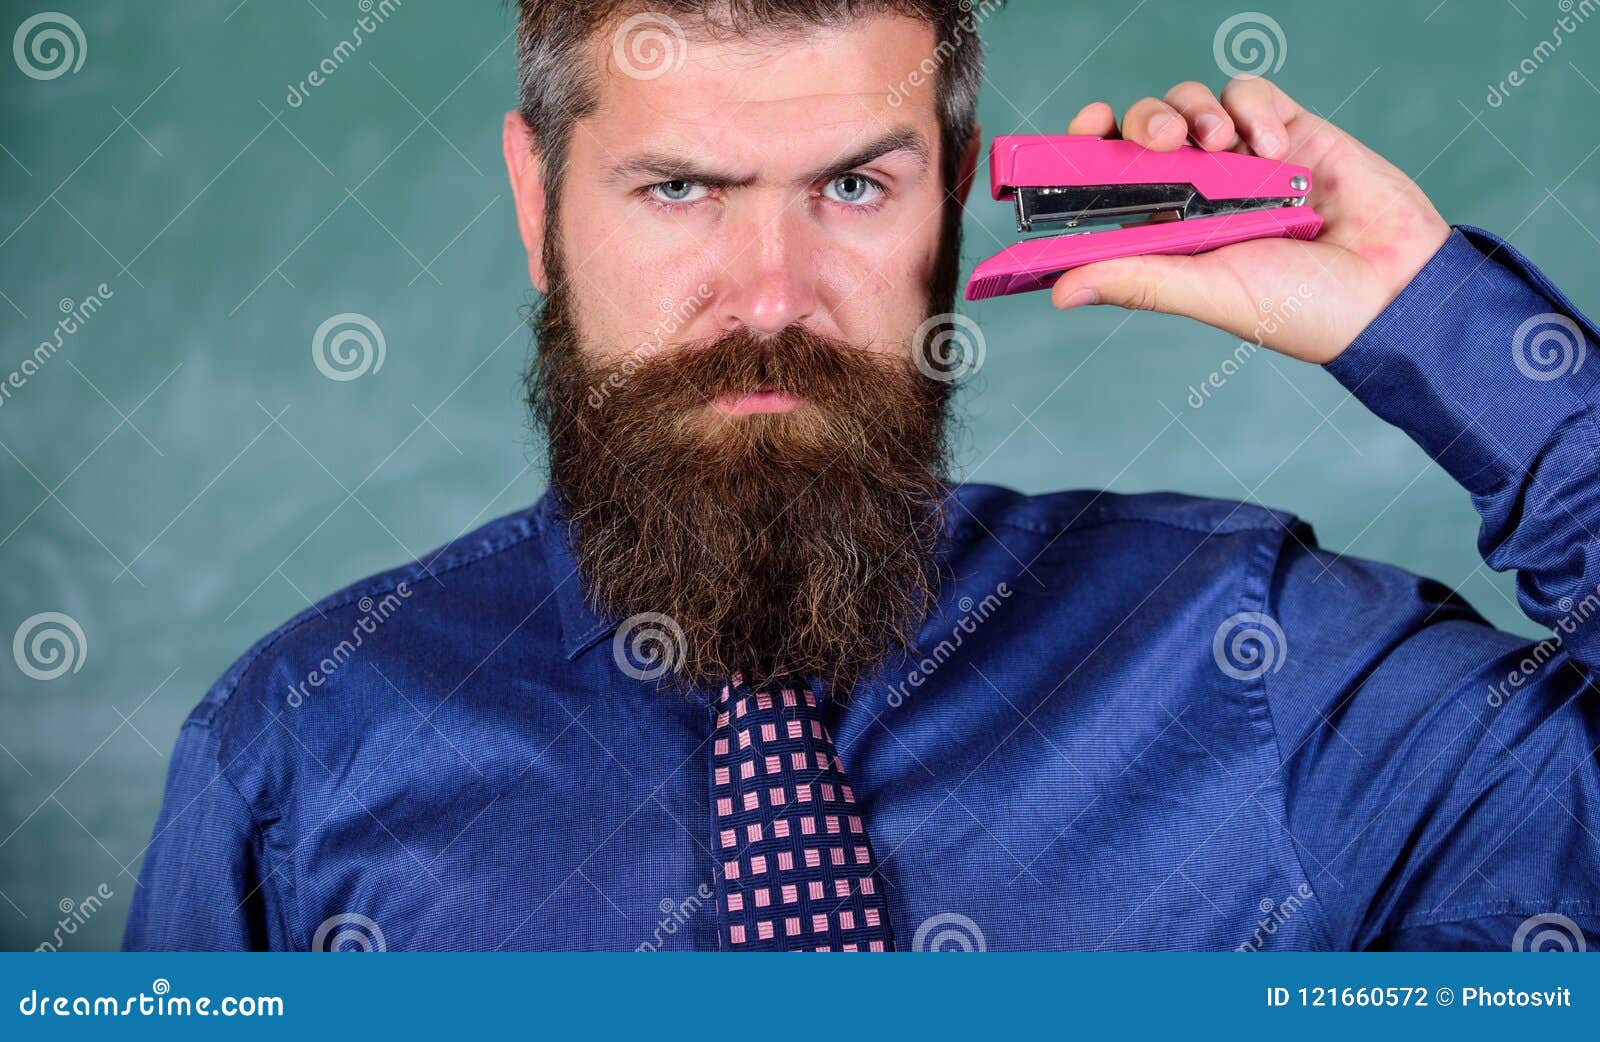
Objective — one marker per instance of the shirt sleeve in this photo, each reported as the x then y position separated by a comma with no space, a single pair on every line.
203,885
1440,776
1486,366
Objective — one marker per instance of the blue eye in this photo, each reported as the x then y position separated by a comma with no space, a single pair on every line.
853,190
678,192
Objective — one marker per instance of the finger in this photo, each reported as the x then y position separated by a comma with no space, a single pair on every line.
1253,104
1096,120
1154,124
1171,285
1287,107
1209,123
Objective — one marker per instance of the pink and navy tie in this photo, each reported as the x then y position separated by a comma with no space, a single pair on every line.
794,868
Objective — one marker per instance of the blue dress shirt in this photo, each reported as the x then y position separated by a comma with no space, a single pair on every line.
1133,722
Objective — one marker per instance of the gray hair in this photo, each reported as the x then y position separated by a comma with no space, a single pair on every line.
555,75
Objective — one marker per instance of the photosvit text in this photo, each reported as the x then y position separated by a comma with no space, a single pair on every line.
1471,996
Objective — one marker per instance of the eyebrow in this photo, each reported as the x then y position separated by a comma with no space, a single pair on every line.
666,166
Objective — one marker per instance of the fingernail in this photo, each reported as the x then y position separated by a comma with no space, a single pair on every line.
1158,124
1207,124
1268,143
1079,299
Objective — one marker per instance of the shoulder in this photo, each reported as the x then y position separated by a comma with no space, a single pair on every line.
1268,560
1107,555
416,611
985,511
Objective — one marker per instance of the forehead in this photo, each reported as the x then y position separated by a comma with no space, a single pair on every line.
774,99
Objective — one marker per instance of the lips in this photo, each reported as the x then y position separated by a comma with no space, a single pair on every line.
757,402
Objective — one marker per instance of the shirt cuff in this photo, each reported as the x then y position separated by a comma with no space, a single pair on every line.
1481,360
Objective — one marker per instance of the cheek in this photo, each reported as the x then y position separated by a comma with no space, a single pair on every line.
877,290
630,295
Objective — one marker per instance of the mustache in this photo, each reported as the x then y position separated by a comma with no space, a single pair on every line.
825,371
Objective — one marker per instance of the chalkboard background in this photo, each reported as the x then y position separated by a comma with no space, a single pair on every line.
179,476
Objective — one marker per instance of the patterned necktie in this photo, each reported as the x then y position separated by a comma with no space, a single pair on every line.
794,868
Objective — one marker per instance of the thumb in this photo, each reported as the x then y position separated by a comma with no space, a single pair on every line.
1170,285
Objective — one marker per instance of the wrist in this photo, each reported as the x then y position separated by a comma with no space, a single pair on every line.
1396,264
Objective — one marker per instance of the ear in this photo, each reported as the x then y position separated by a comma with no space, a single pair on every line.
969,164
527,188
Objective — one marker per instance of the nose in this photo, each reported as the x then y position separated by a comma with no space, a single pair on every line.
771,275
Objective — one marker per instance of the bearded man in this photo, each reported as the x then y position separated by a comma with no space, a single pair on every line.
754,674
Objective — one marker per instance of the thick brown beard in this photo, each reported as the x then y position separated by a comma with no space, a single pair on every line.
802,542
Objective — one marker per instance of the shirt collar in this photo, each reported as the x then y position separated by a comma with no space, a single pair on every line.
582,624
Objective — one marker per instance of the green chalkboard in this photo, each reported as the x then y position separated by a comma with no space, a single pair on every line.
184,207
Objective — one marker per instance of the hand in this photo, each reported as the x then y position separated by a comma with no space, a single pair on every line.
1379,228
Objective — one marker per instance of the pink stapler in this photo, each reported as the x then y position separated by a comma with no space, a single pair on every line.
1102,199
